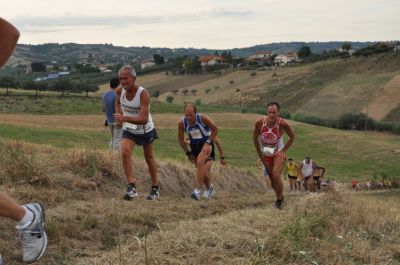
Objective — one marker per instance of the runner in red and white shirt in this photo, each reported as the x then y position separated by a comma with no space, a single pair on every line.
268,140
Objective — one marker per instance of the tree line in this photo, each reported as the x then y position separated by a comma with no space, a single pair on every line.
63,85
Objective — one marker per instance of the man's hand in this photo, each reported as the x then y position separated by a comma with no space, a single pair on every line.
192,158
206,149
223,162
118,117
282,155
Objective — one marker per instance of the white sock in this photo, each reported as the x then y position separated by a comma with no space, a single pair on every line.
197,191
26,220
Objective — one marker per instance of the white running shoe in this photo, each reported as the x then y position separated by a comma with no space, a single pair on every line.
195,195
209,193
33,237
130,193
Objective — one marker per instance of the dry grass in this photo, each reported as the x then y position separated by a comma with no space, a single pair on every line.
333,228
89,223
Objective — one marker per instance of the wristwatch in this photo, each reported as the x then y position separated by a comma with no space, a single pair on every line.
208,141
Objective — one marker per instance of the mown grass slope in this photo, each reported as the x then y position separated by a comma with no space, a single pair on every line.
89,223
345,154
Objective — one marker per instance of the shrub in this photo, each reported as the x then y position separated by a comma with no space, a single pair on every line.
170,99
285,113
396,128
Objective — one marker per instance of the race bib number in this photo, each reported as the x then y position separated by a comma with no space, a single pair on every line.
268,150
196,134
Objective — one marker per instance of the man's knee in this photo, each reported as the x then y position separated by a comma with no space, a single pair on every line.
125,152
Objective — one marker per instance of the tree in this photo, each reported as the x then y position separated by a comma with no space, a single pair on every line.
185,91
8,82
85,86
304,52
38,67
346,46
156,94
159,59
37,86
63,85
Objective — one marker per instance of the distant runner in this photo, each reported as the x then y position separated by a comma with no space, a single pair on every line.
272,151
291,171
318,174
307,168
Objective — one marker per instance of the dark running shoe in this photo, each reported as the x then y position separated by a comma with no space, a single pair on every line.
154,194
130,193
279,204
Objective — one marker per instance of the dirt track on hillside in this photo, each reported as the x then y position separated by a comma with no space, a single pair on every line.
387,99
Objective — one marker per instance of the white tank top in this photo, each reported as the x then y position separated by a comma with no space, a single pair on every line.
307,169
132,109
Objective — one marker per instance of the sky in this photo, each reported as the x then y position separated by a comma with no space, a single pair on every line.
212,24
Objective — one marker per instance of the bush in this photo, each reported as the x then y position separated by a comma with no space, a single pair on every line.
284,113
396,128
170,99
359,121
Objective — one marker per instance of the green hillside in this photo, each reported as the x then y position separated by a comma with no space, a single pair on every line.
324,89
345,154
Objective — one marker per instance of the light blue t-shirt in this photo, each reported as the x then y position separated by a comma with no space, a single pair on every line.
109,98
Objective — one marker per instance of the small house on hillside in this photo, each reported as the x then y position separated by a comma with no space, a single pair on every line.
260,58
53,76
207,60
260,55
147,63
287,58
102,67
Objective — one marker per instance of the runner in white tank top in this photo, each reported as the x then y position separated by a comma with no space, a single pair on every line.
306,169
131,108
133,114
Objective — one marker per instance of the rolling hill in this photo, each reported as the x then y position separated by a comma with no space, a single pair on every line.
324,89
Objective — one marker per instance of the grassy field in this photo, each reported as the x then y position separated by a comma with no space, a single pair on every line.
345,154
87,221
69,171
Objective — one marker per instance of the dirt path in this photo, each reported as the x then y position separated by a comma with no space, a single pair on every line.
388,99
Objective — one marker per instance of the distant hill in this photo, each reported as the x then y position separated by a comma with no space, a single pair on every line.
108,53
325,89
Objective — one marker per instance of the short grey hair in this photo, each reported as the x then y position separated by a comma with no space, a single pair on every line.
128,68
